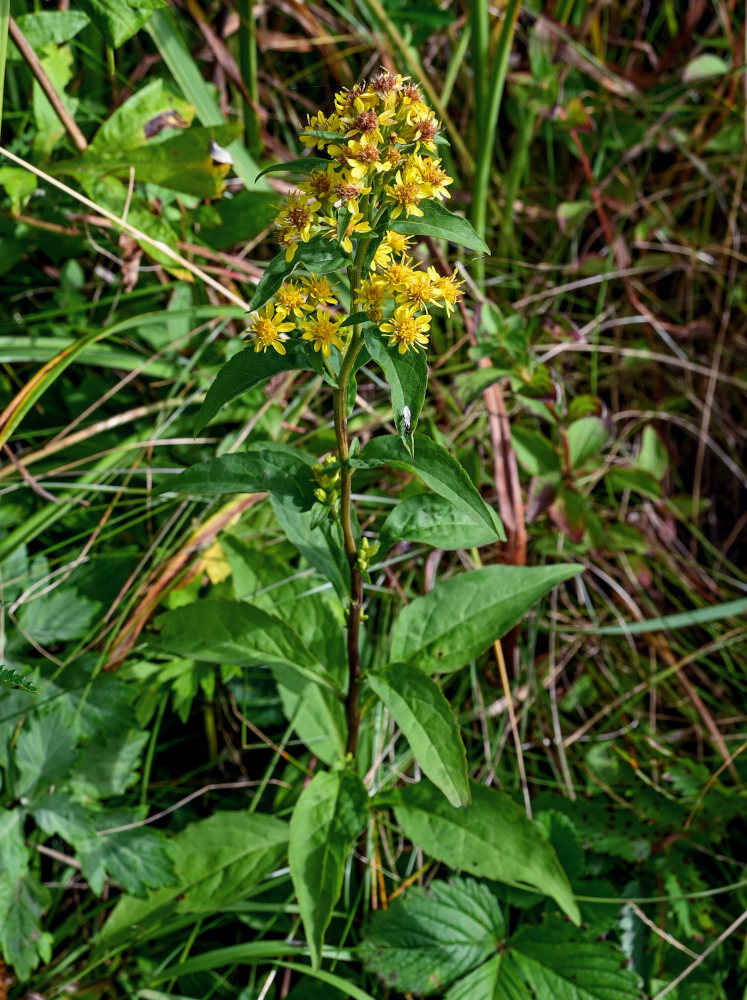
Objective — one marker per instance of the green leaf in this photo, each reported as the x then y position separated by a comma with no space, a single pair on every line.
653,456
245,370
496,979
129,125
45,753
534,452
457,620
407,375
683,619
418,706
637,480
326,822
704,66
108,766
217,861
57,617
320,255
491,838
181,162
437,469
264,467
430,937
317,716
11,678
558,964
238,633
320,545
117,20
303,165
139,859
58,813
586,437
14,855
22,941
431,519
48,27
440,222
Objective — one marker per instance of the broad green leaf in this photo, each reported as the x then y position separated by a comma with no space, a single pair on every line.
430,937
326,822
534,452
407,375
22,941
704,66
245,370
57,63
320,546
461,617
586,437
431,519
57,617
57,813
20,185
237,219
217,861
108,765
496,979
560,965
440,222
491,837
263,467
48,27
117,20
238,633
317,716
139,859
181,162
129,125
437,469
11,678
45,752
14,854
653,456
418,706
320,255
303,165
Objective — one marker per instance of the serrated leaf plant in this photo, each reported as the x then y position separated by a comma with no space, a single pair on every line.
346,292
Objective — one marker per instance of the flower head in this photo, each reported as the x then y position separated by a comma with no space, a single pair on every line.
267,328
323,330
291,298
407,330
318,288
406,192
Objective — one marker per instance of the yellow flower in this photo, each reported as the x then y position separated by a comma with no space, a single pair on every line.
319,289
348,192
406,329
363,156
372,296
297,221
320,184
321,123
449,291
397,242
267,329
292,299
399,274
406,192
323,330
420,289
432,177
354,226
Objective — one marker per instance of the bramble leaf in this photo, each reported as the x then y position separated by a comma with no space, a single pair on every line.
430,937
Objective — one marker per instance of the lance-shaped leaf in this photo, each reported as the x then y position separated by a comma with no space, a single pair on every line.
418,706
320,255
249,368
264,467
407,375
492,837
436,468
440,222
238,633
461,617
303,165
328,818
430,519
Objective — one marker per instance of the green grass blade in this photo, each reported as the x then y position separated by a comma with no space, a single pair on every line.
4,22
683,619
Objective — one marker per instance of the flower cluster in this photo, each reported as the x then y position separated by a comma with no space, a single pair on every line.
379,138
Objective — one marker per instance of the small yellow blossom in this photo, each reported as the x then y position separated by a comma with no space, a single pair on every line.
321,123
407,330
292,298
267,329
400,274
449,291
420,289
373,295
348,191
320,184
406,192
323,330
354,226
397,242
318,288
432,177
363,156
